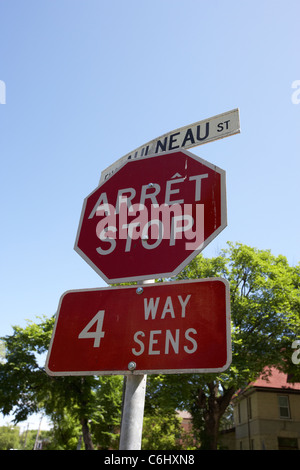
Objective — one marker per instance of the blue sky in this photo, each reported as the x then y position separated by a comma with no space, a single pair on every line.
89,81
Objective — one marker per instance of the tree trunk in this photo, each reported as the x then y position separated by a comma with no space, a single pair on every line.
213,407
87,439
212,422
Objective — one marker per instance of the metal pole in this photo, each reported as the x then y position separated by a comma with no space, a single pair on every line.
133,408
36,444
133,412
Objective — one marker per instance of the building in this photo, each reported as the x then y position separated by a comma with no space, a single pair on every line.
266,415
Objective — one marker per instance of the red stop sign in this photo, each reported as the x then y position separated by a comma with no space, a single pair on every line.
169,327
152,217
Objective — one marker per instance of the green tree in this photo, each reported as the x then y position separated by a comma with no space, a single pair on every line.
106,423
21,376
29,436
66,432
9,438
265,321
27,389
161,432
2,351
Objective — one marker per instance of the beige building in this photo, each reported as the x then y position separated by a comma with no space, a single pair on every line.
266,416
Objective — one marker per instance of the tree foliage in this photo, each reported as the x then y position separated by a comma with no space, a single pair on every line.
9,438
68,401
162,431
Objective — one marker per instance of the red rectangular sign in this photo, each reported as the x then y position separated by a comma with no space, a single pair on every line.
170,327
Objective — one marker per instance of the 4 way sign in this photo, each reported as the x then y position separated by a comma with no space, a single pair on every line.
174,327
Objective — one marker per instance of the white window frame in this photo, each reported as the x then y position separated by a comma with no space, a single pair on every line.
284,407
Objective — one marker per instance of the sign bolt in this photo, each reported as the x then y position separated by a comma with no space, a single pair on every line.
139,290
131,365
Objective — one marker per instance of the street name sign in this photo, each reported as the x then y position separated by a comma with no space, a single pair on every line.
152,217
192,135
170,327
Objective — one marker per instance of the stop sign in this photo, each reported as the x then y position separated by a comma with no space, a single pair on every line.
152,217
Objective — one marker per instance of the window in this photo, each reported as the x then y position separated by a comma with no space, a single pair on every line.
284,409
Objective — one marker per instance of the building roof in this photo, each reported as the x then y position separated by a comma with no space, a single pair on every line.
275,379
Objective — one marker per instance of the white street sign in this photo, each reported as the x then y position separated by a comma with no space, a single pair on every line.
199,133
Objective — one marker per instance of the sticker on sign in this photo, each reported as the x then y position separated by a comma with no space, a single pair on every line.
170,327
192,135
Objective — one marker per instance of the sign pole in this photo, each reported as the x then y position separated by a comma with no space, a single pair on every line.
133,412
133,406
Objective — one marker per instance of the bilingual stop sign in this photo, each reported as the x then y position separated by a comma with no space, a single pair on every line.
152,217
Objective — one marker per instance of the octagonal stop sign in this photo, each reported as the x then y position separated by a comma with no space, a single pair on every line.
152,217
